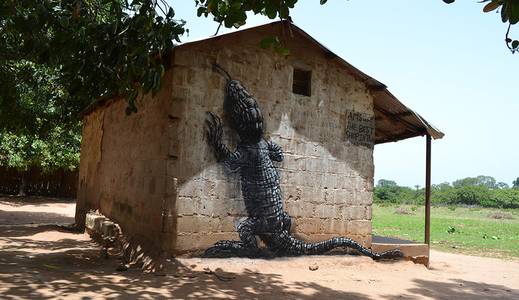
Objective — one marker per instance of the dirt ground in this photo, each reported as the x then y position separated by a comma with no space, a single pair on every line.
39,261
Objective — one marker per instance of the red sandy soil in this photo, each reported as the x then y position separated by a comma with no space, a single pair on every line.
40,261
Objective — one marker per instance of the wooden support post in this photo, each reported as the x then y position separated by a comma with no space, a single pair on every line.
428,191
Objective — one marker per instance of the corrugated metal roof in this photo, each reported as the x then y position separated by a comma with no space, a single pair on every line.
393,120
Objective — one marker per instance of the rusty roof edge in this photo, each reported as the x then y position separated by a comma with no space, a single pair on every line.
434,132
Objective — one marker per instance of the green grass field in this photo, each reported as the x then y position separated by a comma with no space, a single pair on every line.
478,231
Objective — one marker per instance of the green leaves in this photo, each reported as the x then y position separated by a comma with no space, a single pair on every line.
275,43
509,11
233,13
451,229
269,41
491,6
102,48
481,191
58,149
57,57
515,183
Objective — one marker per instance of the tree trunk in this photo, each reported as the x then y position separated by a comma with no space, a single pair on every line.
23,184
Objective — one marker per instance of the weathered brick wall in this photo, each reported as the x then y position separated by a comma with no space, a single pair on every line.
153,173
327,181
123,166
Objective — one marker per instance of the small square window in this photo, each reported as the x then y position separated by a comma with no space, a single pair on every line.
302,82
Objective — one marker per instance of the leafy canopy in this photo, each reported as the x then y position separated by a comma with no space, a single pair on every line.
58,56
515,184
58,149
509,11
37,132
100,48
104,48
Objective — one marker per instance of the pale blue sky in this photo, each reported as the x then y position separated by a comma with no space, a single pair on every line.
447,62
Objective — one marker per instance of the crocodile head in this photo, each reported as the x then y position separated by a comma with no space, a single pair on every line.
243,112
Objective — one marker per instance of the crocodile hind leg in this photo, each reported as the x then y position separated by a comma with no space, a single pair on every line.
247,245
226,248
247,230
287,222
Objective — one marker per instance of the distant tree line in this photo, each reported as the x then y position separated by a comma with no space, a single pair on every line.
472,191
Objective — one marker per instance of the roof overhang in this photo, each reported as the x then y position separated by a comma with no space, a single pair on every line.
394,121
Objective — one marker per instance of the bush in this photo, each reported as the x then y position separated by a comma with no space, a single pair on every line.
472,195
478,191
388,191
505,198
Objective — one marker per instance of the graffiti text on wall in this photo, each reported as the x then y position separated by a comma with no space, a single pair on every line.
360,129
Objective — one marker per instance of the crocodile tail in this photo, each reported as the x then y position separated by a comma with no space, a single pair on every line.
292,246
222,71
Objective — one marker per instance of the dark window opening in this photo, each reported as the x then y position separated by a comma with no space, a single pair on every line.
302,82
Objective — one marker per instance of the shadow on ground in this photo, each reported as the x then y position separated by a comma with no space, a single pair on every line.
70,266
27,217
14,200
62,271
47,262
457,289
28,230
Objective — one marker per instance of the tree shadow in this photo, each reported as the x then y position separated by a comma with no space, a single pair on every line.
69,266
458,289
197,285
15,200
25,230
33,217
101,283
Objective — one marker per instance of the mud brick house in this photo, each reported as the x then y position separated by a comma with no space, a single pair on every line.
153,173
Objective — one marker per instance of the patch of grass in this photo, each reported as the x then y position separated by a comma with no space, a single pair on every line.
466,230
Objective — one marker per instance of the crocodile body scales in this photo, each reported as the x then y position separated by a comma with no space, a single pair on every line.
254,159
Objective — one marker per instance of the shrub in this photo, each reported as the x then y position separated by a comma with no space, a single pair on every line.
477,191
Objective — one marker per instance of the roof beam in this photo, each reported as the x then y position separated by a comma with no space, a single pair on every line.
381,131
403,114
400,137
397,118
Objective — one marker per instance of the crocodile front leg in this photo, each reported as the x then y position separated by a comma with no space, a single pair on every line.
275,151
214,136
